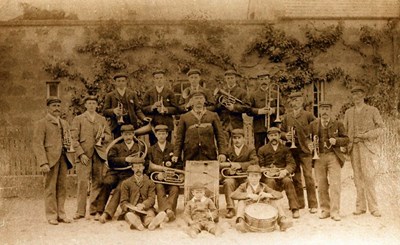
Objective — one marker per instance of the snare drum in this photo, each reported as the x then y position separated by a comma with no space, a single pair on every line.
260,217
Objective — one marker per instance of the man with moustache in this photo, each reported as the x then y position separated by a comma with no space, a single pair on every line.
331,136
363,124
131,112
300,120
231,113
92,129
53,148
159,103
197,133
276,155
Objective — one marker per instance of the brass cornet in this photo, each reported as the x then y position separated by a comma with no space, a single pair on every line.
315,146
99,135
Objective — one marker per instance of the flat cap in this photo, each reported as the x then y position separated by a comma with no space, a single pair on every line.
127,128
52,99
325,104
193,71
254,169
90,97
273,130
137,160
358,88
120,74
161,127
197,185
159,71
231,72
238,131
296,94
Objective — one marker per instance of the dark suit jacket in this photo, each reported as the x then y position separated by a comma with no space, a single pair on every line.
48,142
301,125
134,193
247,156
233,118
87,131
131,106
194,136
241,192
281,158
335,130
169,102
117,154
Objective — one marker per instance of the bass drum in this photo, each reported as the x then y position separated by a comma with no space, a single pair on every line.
260,217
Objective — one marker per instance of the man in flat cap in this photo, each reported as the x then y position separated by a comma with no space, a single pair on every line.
121,106
276,155
298,121
331,136
160,154
185,103
253,191
120,158
240,156
199,134
263,107
138,199
230,112
93,135
364,124
159,103
53,147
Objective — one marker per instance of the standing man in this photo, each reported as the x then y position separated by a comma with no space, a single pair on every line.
261,108
363,124
198,131
93,134
299,120
159,104
160,154
121,106
331,136
240,156
230,112
53,147
185,104
276,155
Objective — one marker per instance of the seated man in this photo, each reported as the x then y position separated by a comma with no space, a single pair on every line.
200,212
240,157
119,161
159,154
253,191
276,155
138,198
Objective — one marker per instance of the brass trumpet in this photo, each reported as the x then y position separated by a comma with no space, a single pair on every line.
315,146
99,135
224,98
165,175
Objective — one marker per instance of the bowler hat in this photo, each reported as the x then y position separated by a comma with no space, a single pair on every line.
52,100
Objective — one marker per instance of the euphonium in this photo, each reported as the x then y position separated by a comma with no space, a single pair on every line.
99,135
315,148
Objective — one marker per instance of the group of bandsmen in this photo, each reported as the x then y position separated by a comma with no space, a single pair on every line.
210,128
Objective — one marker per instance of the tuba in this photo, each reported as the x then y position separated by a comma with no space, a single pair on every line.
166,175
224,98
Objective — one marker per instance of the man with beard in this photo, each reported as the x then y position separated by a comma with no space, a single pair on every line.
53,148
92,129
364,124
138,198
300,120
331,136
121,106
120,158
231,113
240,156
159,103
277,155
198,131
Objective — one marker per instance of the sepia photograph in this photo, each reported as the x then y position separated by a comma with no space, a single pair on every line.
200,122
